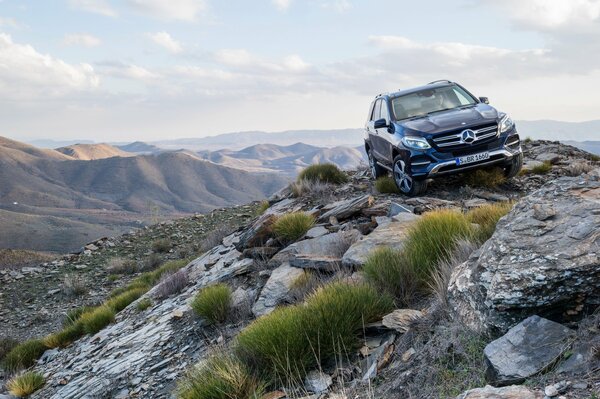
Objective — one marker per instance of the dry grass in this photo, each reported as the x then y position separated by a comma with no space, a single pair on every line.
541,169
324,173
152,262
293,226
162,245
486,217
25,384
74,285
386,185
313,189
488,178
120,265
262,207
17,258
172,283
579,167
214,238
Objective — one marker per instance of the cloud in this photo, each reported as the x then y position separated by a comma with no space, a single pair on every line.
337,5
552,15
183,10
101,7
243,60
128,72
27,74
81,39
282,4
165,40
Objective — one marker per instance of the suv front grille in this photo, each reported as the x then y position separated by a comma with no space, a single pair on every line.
453,140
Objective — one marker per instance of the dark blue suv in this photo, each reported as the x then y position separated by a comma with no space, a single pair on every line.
438,129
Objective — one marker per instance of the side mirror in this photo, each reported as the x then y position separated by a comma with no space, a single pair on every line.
380,123
484,100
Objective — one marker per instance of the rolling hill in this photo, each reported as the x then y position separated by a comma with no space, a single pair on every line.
88,152
111,193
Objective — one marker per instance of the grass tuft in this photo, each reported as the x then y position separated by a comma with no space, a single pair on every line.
213,303
24,355
161,245
486,217
293,226
488,178
95,320
143,304
6,345
541,169
221,377
120,265
262,207
25,384
324,173
120,302
386,185
64,337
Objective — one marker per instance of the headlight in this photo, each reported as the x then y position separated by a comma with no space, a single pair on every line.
417,143
506,124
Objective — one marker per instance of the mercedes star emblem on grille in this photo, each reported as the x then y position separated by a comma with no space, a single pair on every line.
468,136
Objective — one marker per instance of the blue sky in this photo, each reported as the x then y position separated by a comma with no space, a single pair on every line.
151,69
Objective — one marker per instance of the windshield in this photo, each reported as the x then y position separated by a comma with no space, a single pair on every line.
430,100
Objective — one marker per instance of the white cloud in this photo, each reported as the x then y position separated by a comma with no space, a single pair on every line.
184,10
243,60
337,5
129,72
573,15
282,4
165,40
81,39
101,7
25,73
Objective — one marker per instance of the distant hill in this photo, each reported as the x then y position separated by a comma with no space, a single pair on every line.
589,146
284,159
139,147
562,131
88,152
115,191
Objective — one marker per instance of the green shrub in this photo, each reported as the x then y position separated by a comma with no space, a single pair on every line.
143,304
24,355
390,270
325,173
121,301
262,207
161,245
594,157
95,320
149,279
487,217
386,185
541,169
152,262
25,384
213,303
6,345
293,340
527,140
432,238
64,337
74,314
293,226
488,178
221,377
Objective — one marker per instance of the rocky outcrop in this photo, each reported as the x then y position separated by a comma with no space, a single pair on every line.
512,392
543,259
527,349
276,289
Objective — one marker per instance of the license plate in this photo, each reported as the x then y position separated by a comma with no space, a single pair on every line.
472,158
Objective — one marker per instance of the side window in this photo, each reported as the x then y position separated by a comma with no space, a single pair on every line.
376,110
384,111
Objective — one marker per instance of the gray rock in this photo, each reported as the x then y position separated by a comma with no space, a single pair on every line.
510,392
346,208
527,349
548,157
317,381
401,319
276,289
548,267
392,234
316,231
396,209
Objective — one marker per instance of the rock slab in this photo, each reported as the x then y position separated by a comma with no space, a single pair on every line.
276,289
511,392
527,349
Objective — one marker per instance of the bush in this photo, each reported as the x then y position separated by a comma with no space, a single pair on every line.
262,207
293,340
324,173
6,345
487,217
432,238
64,337
315,189
293,226
95,320
221,377
390,270
161,245
303,285
25,384
121,266
150,279
74,285
172,283
143,304
74,314
120,302
24,355
152,262
386,185
488,178
213,303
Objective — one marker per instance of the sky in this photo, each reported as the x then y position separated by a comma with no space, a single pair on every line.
123,70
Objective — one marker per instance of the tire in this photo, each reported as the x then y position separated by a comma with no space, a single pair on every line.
404,181
515,166
376,170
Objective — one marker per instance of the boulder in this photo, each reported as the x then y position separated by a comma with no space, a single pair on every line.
346,208
260,231
511,392
322,253
276,289
316,231
317,381
401,319
527,349
542,259
392,234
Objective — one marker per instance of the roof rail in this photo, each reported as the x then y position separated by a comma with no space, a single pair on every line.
382,94
438,81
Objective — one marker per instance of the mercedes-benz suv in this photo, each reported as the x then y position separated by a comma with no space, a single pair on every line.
438,129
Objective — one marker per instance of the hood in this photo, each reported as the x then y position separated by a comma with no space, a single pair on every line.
453,119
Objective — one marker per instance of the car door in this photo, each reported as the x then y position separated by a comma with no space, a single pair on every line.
383,145
372,132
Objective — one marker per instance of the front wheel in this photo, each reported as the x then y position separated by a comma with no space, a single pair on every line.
404,179
514,167
376,170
